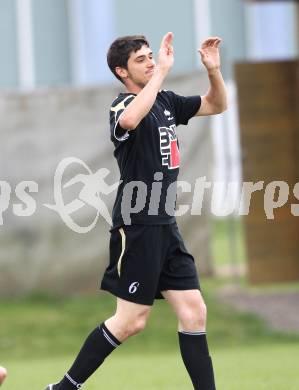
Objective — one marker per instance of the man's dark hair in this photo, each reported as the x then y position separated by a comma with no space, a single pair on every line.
120,50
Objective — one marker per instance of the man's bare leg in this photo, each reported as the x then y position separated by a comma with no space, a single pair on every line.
191,312
130,318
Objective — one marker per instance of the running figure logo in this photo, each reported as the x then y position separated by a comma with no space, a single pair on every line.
169,147
93,186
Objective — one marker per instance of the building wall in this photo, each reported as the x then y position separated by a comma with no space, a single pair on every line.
51,42
65,41
70,38
8,45
92,28
271,30
228,22
154,19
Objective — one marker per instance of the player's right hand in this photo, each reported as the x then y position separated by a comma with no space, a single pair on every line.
166,55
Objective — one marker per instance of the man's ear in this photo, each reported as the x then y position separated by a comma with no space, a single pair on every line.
121,72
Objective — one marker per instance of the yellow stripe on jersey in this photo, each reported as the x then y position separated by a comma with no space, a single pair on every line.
123,246
120,106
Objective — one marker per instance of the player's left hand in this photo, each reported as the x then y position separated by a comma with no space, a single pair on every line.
209,52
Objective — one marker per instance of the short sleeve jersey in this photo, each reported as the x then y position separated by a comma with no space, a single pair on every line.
149,158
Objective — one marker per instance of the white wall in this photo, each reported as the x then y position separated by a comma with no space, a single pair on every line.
271,30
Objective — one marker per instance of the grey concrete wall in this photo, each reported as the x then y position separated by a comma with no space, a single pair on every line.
39,129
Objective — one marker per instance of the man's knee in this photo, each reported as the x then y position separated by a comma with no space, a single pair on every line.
134,323
193,317
136,326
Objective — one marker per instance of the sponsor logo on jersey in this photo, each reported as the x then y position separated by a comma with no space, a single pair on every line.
169,147
168,113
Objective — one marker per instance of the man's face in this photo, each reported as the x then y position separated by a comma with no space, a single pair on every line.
141,65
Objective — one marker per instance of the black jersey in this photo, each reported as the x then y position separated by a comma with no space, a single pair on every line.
149,159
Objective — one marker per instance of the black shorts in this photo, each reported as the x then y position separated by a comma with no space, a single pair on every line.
148,259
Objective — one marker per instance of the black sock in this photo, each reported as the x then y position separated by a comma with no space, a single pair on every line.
195,354
98,345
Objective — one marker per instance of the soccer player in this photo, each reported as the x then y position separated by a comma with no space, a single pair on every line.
148,258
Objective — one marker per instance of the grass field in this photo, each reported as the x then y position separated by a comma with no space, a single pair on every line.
40,335
228,236
267,367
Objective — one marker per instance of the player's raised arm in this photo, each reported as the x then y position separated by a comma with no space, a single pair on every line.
215,100
148,90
